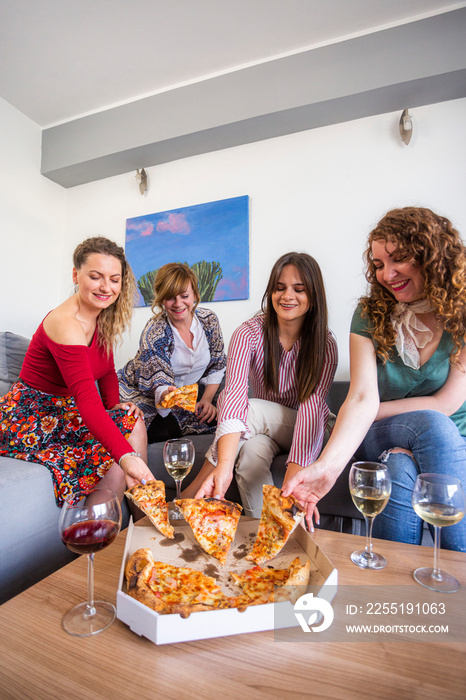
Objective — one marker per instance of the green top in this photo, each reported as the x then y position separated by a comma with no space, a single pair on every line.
398,381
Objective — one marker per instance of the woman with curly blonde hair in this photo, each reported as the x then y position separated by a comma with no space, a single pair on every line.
114,319
54,413
406,405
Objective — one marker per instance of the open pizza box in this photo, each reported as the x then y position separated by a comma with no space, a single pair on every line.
185,551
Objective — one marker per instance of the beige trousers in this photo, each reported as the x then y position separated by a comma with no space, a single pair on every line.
271,427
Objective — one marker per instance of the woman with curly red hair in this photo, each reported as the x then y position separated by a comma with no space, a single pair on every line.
406,404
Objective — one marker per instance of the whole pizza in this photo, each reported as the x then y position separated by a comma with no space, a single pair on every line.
166,588
170,589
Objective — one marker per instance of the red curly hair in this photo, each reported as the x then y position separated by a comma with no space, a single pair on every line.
437,249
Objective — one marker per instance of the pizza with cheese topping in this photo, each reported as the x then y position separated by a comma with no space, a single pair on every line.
213,522
184,397
279,518
150,498
171,589
260,586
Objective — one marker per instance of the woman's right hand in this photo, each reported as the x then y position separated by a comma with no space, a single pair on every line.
168,390
310,485
216,484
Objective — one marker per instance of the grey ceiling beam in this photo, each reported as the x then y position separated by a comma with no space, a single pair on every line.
415,64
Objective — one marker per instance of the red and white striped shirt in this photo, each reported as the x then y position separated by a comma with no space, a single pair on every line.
246,362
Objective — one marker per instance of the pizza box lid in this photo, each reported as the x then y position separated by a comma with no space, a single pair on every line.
185,551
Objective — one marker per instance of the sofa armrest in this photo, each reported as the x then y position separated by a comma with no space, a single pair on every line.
12,351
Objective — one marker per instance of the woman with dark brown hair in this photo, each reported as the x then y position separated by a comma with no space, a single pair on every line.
406,404
289,355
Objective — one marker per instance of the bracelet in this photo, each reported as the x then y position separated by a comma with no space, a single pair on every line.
128,454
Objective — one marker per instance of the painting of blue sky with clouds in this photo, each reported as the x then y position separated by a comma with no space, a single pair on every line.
212,238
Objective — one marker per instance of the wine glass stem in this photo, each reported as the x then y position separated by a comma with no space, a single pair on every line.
368,548
178,488
90,585
436,574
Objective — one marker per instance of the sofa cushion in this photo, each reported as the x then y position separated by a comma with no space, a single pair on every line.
30,546
12,351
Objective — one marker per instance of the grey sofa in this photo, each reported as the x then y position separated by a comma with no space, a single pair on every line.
30,547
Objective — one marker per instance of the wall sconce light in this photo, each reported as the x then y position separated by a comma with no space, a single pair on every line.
141,178
406,127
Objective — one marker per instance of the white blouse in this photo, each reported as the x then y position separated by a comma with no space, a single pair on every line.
189,364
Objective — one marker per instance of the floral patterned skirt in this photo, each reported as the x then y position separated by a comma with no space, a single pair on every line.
45,428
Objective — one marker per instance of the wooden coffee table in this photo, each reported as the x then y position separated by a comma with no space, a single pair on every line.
39,661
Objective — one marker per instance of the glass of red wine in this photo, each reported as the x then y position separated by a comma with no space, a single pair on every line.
88,523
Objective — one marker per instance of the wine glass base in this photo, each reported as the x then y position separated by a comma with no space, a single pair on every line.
447,584
174,513
80,623
368,561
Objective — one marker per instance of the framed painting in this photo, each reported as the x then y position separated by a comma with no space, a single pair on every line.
212,238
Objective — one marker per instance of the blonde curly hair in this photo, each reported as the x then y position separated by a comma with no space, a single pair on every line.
114,320
437,249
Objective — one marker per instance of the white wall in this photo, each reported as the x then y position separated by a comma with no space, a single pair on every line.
318,191
32,210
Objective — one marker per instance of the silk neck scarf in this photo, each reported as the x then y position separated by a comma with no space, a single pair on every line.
411,333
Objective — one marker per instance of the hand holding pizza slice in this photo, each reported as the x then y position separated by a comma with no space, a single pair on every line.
150,498
279,518
183,397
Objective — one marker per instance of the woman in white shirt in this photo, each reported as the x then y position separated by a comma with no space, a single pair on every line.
181,344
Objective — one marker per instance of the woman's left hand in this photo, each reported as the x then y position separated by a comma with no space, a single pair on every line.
205,411
130,408
216,484
135,469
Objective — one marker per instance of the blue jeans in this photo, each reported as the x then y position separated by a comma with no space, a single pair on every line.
437,447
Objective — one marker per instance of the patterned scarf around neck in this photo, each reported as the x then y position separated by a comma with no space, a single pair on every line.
411,333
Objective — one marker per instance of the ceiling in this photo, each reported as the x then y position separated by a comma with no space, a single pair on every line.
63,59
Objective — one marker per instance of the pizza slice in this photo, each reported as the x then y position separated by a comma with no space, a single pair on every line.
279,518
171,589
213,522
295,584
150,498
183,397
260,586
257,585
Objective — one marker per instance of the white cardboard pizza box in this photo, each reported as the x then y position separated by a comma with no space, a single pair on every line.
185,551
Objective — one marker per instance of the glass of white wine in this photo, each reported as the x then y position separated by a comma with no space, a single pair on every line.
178,457
439,500
370,487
